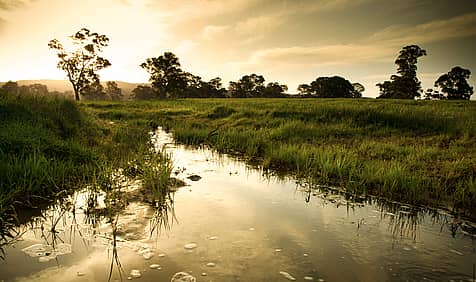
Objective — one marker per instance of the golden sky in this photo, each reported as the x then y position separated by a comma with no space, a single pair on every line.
289,41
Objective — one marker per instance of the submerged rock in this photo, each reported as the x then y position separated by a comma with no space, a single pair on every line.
183,277
287,275
194,177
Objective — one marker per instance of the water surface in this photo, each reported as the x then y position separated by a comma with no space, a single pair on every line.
235,224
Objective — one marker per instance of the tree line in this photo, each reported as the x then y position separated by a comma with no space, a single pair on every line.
168,80
405,84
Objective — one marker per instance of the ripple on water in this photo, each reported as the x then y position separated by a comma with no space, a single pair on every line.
135,273
287,275
190,246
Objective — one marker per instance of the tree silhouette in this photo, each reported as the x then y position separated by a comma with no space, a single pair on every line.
247,87
83,61
358,89
455,85
274,90
143,92
113,91
405,85
165,74
305,89
94,91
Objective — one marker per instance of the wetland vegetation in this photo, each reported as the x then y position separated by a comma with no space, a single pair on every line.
420,152
96,170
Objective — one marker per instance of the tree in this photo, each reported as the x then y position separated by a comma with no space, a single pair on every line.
332,87
305,89
247,87
82,63
431,94
405,85
94,91
113,91
35,89
143,92
274,90
165,74
10,88
214,88
455,85
358,89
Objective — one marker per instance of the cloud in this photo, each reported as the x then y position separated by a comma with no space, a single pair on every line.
322,55
310,6
212,31
259,25
184,10
2,24
434,31
379,47
11,4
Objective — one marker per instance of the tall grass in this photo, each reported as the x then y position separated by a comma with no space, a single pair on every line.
415,151
52,145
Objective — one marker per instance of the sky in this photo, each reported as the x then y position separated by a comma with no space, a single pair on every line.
287,41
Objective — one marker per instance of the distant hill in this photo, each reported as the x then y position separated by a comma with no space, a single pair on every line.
64,85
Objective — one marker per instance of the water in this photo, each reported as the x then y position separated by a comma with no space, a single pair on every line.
235,224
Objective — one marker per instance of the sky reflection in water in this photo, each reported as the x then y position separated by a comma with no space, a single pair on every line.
234,224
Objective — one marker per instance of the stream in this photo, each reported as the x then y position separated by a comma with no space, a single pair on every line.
232,222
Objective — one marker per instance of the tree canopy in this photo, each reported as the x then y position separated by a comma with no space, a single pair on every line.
331,87
166,75
113,91
83,61
454,84
405,85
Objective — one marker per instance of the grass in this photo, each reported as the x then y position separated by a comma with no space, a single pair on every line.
420,152
53,146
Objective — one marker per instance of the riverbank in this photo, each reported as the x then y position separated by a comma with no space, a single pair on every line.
50,147
418,152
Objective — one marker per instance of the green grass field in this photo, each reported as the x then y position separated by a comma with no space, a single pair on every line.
420,152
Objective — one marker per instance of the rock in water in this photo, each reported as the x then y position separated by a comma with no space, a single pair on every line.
287,275
183,277
194,177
